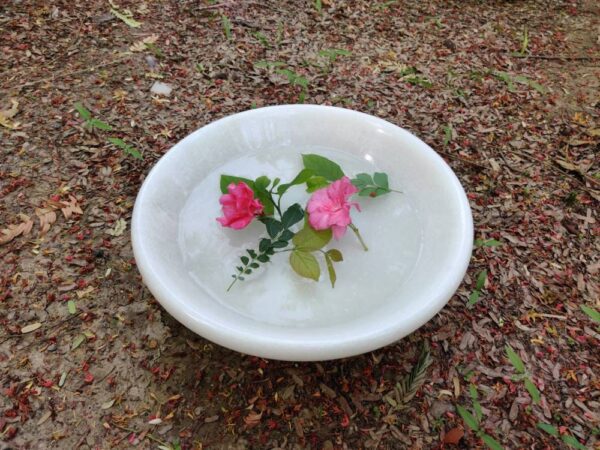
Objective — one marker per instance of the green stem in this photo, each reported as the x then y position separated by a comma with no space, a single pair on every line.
285,250
360,239
276,205
232,283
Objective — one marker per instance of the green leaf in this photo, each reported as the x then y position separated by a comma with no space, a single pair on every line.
335,255
570,440
279,244
473,392
262,182
491,442
77,341
367,192
127,18
531,83
473,298
487,243
292,216
447,134
333,53
71,307
267,64
330,270
226,23
261,193
381,180
481,280
322,166
591,312
274,227
310,239
244,260
315,183
305,264
363,179
533,390
83,112
263,258
419,81
262,39
264,245
318,5
286,235
302,177
507,79
128,149
226,180
550,429
515,360
468,418
99,124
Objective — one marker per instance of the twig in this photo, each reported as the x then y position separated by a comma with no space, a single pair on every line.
215,6
76,72
149,436
466,161
6,337
553,57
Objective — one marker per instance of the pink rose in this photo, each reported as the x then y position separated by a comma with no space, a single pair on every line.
239,206
329,207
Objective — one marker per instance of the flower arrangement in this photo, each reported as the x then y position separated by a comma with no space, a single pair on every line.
326,216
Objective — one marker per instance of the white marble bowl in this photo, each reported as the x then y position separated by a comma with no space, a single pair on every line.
419,241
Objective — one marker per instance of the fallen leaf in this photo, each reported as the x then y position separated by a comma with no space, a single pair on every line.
8,114
8,234
31,327
107,405
44,417
47,217
454,436
12,112
70,207
119,228
126,17
252,419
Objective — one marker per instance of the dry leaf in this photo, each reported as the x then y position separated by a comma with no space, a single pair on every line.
47,218
31,327
454,436
119,228
140,46
24,228
71,207
44,417
12,112
252,419
82,293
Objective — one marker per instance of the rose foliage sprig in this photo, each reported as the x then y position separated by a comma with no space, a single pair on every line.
326,216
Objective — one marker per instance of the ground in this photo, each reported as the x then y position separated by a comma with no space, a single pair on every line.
506,91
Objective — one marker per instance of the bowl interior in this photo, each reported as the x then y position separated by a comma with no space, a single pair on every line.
420,240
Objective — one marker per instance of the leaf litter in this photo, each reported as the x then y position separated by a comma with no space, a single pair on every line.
521,132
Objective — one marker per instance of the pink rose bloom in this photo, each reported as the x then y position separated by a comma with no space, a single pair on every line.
329,207
239,206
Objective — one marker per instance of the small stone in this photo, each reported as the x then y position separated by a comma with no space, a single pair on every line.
439,408
161,88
